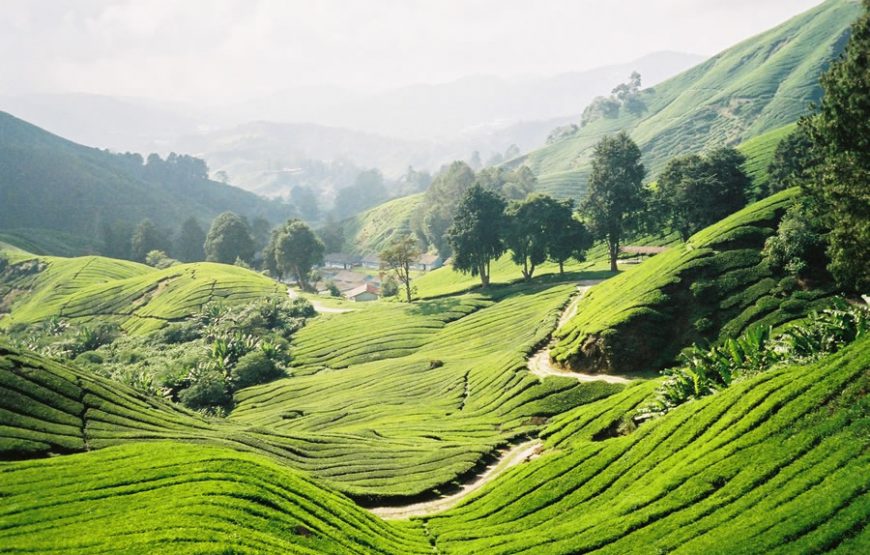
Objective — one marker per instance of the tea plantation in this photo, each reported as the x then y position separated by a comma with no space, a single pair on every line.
718,283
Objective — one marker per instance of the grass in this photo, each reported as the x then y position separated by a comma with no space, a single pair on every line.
715,285
139,298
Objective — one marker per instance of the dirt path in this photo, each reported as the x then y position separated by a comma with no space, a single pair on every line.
517,454
318,307
539,363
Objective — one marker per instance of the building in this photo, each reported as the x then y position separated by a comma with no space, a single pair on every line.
340,260
363,293
428,262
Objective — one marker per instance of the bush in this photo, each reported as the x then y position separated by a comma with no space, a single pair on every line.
390,287
160,259
704,291
180,332
208,392
255,368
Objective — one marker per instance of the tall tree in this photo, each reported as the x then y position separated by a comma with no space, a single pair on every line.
441,199
696,191
189,245
145,239
229,239
476,233
398,256
792,161
528,231
568,236
296,250
616,196
840,133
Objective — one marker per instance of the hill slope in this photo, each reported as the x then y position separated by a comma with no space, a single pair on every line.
758,85
47,182
137,297
716,283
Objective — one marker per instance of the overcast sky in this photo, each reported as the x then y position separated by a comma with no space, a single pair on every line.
225,50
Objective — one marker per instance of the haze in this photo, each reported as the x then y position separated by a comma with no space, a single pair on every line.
231,51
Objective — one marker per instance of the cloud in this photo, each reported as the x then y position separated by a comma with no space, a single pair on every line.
223,50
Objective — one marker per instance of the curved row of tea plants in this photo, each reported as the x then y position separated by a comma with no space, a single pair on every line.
717,284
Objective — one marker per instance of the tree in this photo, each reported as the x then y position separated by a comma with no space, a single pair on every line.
568,237
296,250
441,199
476,233
145,239
616,195
190,241
228,239
260,232
116,239
159,259
528,233
840,132
798,248
398,257
792,161
332,235
696,191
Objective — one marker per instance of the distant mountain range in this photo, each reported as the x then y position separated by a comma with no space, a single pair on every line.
421,125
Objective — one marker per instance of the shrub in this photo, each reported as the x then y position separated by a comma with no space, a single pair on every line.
179,332
89,357
208,392
160,259
703,325
255,368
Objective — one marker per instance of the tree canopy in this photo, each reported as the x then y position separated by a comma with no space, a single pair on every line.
295,250
229,239
477,230
145,239
398,256
840,132
189,245
696,191
616,196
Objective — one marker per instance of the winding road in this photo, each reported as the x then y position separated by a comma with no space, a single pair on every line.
540,365
519,453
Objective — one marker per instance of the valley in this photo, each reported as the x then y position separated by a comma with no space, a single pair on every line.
645,329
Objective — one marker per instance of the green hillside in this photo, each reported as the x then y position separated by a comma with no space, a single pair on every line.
50,185
757,86
137,297
736,471
369,232
718,283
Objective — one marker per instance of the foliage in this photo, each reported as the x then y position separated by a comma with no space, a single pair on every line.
398,256
147,238
569,237
696,191
229,238
616,196
707,370
254,368
798,248
624,96
294,249
189,245
792,160
368,190
160,260
840,133
475,237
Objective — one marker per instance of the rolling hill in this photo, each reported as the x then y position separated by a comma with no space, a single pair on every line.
49,184
757,86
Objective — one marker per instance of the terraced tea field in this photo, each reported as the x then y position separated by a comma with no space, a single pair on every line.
716,284
736,471
139,298
397,414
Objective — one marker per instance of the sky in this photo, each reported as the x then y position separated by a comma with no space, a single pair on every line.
222,51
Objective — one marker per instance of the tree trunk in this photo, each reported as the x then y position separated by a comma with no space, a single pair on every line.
561,267
614,253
